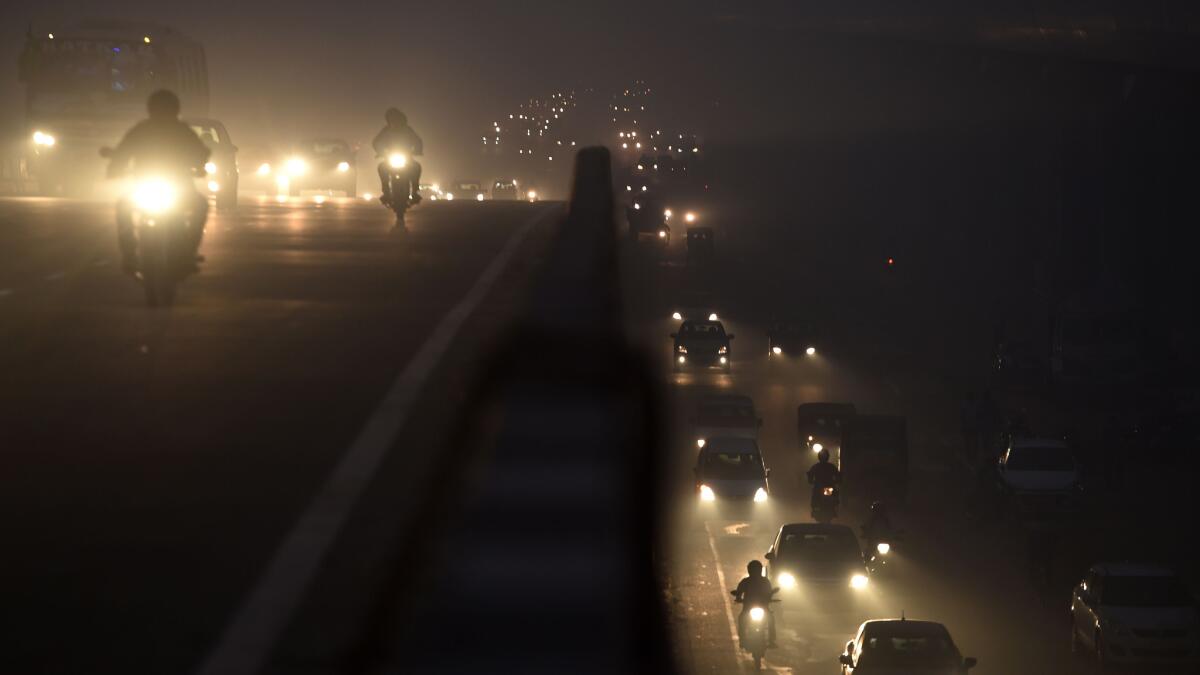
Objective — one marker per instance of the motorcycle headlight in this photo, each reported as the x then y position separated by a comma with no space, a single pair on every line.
154,196
210,168
707,494
662,234
296,166
757,613
883,547
343,166
397,160
760,495
682,359
723,360
858,582
776,350
786,580
43,139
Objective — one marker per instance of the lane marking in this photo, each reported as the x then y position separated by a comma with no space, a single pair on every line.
733,631
250,636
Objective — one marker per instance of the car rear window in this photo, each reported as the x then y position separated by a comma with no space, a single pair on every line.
820,545
1144,591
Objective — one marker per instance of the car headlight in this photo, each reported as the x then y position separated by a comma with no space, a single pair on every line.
760,495
532,195
213,186
757,613
478,198
817,447
264,169
296,166
858,581
786,580
210,168
883,547
154,196
397,160
810,351
700,442
43,139
776,351
343,166
722,350
677,316
450,196
706,494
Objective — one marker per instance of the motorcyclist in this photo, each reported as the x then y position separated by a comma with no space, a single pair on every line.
163,146
823,474
755,591
878,526
397,136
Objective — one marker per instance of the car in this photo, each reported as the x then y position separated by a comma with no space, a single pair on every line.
464,189
874,458
221,170
820,426
324,164
648,220
1039,474
701,344
820,562
731,469
887,646
700,245
791,338
725,415
1135,613
430,191
505,189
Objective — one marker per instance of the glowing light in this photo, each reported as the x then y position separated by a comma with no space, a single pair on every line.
281,198
367,196
683,359
478,198
776,351
146,39
883,547
817,447
154,196
677,316
43,139
532,195
858,582
689,217
700,442
667,214
724,360
712,316
296,166
624,146
210,168
706,494
282,183
786,580
662,234
450,196
397,160
757,614
343,166
264,169
213,186
811,351
50,35
760,496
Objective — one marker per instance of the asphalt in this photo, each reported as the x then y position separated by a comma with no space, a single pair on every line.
151,461
872,353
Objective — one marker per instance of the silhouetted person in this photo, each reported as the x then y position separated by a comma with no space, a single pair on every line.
161,146
755,591
397,136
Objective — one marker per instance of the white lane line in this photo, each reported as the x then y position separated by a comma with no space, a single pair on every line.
733,631
248,639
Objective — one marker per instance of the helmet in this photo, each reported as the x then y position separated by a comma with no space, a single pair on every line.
395,117
823,456
163,104
878,509
754,568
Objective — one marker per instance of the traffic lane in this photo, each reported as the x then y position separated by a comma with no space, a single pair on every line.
154,457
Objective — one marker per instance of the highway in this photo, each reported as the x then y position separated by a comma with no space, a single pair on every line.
153,462
974,580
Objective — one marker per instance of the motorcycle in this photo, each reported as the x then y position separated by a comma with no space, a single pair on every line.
398,176
163,215
757,629
825,503
879,553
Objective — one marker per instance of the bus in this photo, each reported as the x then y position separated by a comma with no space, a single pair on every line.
86,85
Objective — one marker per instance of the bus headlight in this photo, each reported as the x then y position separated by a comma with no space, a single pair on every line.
154,196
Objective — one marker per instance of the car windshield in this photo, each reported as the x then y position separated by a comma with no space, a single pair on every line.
731,411
820,546
702,330
1145,591
931,651
1040,459
732,465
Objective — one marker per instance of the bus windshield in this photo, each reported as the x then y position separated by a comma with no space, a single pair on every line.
85,66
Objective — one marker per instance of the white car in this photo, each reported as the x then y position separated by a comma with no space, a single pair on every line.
1039,473
894,646
728,415
1129,613
731,470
